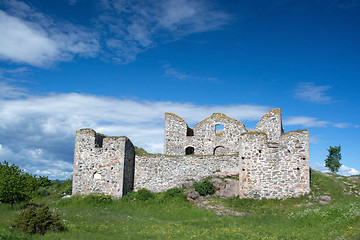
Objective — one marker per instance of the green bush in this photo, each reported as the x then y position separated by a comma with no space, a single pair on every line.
43,192
104,198
204,187
173,192
141,195
67,186
37,220
61,188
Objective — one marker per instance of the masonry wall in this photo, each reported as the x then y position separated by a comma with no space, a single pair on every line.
271,125
103,164
159,173
205,140
274,169
270,163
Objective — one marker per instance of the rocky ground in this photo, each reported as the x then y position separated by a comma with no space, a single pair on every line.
226,185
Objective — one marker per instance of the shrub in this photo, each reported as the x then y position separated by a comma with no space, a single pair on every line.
172,192
141,195
43,192
64,187
204,187
43,181
104,198
67,186
37,220
144,194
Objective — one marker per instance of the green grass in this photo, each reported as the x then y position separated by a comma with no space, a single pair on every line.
169,216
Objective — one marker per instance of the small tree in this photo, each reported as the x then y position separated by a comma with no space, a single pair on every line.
38,220
333,159
12,184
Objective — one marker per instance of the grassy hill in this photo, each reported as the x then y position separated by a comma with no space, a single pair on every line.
169,215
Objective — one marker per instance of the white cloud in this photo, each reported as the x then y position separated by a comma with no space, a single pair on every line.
309,92
344,170
33,38
20,43
125,28
305,121
44,126
347,171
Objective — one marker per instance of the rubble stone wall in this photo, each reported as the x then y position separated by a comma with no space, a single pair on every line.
159,172
269,162
274,169
205,139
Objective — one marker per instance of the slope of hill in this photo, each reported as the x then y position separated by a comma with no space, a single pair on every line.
330,211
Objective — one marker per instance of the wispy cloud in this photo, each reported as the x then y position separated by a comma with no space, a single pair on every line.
308,91
135,26
175,74
11,91
305,121
314,122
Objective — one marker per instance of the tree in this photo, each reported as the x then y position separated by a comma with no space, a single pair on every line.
13,187
333,159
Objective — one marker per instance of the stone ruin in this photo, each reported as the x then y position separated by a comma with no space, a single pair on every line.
267,162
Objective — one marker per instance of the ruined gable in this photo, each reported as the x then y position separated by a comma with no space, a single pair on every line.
215,135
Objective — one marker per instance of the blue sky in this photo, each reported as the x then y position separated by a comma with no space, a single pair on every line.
117,66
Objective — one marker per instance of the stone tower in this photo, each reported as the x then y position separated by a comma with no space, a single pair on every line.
103,164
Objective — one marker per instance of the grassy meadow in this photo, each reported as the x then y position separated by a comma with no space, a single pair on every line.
169,215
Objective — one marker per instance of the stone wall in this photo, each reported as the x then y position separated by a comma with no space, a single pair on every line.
159,173
271,125
103,164
269,162
274,169
203,138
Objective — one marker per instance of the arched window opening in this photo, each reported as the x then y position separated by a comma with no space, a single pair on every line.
189,132
189,151
220,150
219,129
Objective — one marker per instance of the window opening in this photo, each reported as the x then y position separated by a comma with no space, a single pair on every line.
189,151
189,132
219,128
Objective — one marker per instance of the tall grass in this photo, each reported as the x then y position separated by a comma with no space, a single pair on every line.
168,215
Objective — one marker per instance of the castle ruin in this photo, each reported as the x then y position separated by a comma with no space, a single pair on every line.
268,162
